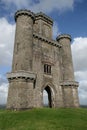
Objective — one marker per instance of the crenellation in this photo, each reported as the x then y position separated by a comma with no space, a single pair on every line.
44,17
43,25
24,12
51,42
69,83
64,36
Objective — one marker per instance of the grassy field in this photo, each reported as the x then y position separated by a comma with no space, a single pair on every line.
44,119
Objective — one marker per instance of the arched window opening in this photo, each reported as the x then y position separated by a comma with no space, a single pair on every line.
47,99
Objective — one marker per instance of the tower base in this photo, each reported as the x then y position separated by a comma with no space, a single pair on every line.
21,85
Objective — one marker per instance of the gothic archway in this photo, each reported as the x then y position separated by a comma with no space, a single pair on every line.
47,98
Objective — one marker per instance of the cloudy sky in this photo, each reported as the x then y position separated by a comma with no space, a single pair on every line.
70,16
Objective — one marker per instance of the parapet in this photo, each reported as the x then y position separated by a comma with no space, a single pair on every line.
24,12
21,74
51,42
44,17
69,83
64,36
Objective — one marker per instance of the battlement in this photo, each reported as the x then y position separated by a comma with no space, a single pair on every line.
21,74
37,16
51,42
69,83
43,17
63,36
24,12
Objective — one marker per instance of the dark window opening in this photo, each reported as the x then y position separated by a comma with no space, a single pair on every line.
47,69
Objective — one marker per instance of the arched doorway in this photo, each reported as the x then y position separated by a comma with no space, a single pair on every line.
47,97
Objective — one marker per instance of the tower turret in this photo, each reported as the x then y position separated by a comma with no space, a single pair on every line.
21,79
68,83
22,58
67,65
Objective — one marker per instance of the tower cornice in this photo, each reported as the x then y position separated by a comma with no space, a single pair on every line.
44,17
49,41
69,83
24,12
67,36
21,74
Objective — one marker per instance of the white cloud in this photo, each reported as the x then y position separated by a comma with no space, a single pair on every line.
3,93
18,3
83,92
55,30
50,5
6,49
3,89
42,5
79,53
81,75
6,42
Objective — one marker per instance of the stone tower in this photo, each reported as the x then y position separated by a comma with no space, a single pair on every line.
40,63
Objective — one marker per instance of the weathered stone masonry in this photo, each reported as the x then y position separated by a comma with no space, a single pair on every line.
40,63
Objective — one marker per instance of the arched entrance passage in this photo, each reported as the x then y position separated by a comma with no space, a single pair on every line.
47,97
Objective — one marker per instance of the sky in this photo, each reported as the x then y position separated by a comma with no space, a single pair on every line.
70,17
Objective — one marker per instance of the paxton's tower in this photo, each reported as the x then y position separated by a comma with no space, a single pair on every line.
40,63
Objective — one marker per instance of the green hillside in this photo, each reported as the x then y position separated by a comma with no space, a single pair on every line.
44,119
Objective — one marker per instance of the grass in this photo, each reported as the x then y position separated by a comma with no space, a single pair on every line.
44,119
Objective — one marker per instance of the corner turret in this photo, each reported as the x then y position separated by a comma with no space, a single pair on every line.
67,65
22,58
